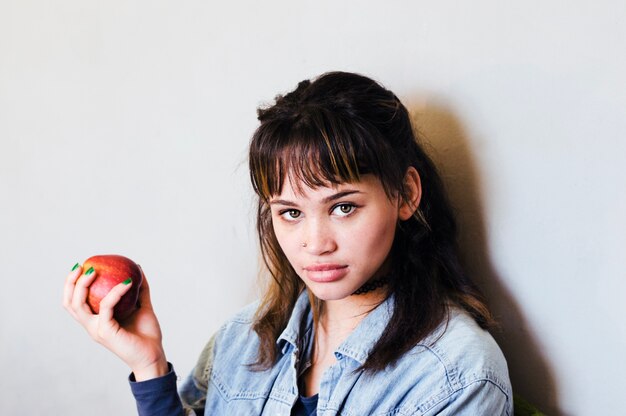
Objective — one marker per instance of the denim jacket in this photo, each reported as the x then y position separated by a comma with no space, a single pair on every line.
457,370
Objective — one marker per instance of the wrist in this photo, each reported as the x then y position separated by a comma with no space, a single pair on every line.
157,369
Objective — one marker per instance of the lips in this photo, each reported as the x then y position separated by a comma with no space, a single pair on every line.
325,273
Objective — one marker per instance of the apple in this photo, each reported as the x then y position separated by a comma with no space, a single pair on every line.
111,270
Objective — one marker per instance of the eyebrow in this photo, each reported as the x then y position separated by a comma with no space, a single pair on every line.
326,200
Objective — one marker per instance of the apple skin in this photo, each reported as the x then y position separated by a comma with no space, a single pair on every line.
111,270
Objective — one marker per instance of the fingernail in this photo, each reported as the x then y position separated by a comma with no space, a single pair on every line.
127,281
89,271
75,266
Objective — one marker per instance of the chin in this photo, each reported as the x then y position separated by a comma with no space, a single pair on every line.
330,293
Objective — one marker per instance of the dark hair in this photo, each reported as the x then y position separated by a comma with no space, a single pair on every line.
333,130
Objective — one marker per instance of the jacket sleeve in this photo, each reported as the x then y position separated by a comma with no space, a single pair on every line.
159,397
479,398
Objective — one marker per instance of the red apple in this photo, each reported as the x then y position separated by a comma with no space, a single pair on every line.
112,270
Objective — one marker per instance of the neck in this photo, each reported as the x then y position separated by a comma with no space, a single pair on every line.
337,320
342,316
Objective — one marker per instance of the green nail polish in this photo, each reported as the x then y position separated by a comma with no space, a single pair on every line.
88,272
127,281
75,266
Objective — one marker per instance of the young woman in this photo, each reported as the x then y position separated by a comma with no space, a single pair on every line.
367,310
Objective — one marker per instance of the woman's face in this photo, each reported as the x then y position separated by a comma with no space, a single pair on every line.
336,237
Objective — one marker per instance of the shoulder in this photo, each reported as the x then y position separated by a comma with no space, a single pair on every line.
230,349
239,327
457,369
466,350
466,365
245,316
234,340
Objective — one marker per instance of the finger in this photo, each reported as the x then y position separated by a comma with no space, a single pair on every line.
79,298
107,304
68,287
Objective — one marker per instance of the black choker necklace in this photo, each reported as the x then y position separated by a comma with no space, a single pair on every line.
372,285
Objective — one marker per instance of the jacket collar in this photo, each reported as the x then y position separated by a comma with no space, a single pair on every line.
300,322
361,341
358,344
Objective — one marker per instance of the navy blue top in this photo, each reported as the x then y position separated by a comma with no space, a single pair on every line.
305,406
157,396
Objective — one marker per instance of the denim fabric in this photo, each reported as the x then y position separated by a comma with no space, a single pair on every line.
458,370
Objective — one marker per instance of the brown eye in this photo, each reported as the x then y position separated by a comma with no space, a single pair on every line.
291,214
344,209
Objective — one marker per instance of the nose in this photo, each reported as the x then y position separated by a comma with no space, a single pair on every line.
319,237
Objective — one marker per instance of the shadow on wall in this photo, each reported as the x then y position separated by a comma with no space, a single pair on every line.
449,146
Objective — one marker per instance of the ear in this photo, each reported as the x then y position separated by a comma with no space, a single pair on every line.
413,187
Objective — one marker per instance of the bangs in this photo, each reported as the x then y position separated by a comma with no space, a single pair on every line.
312,152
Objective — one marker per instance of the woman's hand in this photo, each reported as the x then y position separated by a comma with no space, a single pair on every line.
137,340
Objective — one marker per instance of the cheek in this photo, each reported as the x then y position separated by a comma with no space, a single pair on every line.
374,239
286,240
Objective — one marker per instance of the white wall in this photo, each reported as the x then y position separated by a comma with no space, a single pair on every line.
124,125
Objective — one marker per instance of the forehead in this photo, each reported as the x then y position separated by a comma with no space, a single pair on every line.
295,189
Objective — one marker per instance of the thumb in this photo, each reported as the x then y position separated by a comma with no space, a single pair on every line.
107,304
144,291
